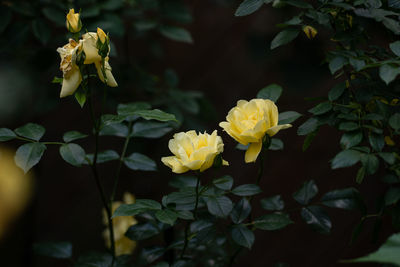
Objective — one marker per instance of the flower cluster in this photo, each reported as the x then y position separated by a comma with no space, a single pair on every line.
92,48
248,123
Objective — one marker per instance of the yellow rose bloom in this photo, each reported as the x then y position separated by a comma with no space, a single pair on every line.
123,245
73,22
71,74
250,121
193,151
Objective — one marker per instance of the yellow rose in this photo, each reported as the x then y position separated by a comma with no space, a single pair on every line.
73,22
123,245
310,31
250,121
89,44
193,151
71,74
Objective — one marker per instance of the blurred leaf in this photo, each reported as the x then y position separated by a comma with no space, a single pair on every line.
5,18
276,144
110,22
167,216
271,92
317,218
392,196
104,156
284,37
307,191
240,211
145,25
73,135
389,157
395,47
350,139
55,15
29,155
341,199
272,222
224,183
336,91
308,126
346,158
247,7
176,33
246,190
73,154
394,121
388,72
140,206
182,181
321,108
137,161
41,30
143,231
6,134
288,117
219,206
150,129
272,203
31,130
242,236
58,250
112,4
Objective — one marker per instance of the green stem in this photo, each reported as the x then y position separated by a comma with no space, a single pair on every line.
34,141
197,197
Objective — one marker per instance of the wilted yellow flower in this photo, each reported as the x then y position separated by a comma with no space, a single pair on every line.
250,121
123,245
15,189
193,151
310,31
71,74
389,141
73,21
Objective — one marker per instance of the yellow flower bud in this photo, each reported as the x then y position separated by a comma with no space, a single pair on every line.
389,141
193,151
310,31
73,22
101,35
250,121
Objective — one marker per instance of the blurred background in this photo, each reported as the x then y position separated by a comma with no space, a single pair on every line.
193,59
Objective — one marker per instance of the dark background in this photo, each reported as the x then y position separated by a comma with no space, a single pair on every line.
229,60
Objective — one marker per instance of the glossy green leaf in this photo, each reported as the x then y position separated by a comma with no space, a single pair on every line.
389,157
307,191
273,203
240,211
150,129
31,130
219,206
57,250
29,155
346,158
371,163
288,117
155,114
376,141
137,161
73,154
271,92
317,218
357,64
73,135
115,129
394,121
336,91
272,222
166,216
308,126
284,37
6,134
321,108
341,199
336,64
184,199
140,206
129,109
395,47
243,236
388,72
143,231
247,7
182,181
247,190
350,139
176,33
224,183
104,156
80,97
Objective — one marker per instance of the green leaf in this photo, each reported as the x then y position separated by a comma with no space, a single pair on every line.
321,108
242,236
104,156
350,139
150,129
247,7
387,253
80,97
110,119
29,155
182,181
307,191
143,231
360,175
73,135
276,144
224,183
130,108
272,203
31,130
155,114
115,129
176,33
336,64
389,157
140,206
373,117
346,158
348,126
55,15
341,199
271,92
370,163
247,190
137,161
317,218
392,196
298,3
308,140
394,121
57,250
272,222
377,141
395,47
284,37
73,154
308,126
288,117
167,216
184,199
357,64
388,72
219,206
240,211
336,91
6,134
